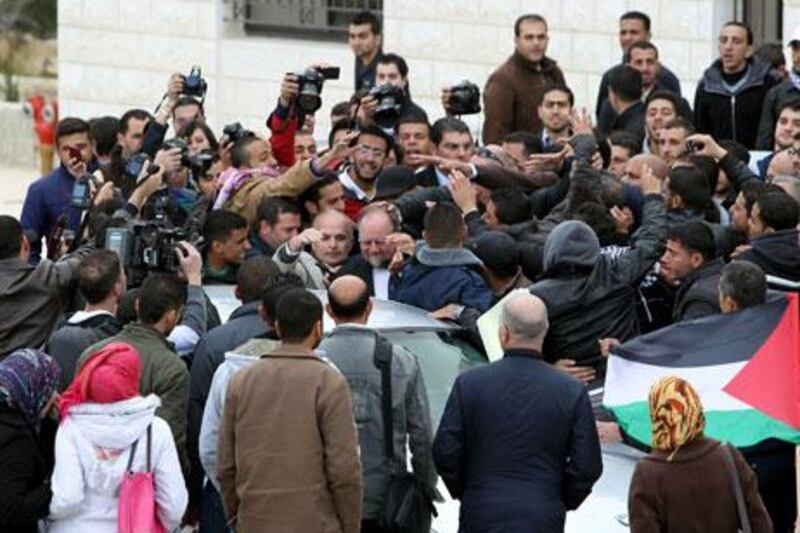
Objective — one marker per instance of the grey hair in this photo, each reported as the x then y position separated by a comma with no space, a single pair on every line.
522,326
744,282
792,185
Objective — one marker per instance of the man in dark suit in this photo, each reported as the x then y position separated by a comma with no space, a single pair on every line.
509,474
372,264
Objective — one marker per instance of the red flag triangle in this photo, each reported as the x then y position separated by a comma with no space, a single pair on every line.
770,382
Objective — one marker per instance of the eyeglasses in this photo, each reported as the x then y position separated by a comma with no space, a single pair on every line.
372,242
488,154
371,150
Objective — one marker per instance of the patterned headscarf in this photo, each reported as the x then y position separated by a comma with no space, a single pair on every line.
28,379
109,375
676,413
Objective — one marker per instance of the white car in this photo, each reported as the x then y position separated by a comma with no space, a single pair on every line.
442,357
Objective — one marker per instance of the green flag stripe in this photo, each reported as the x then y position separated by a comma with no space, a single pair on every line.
740,428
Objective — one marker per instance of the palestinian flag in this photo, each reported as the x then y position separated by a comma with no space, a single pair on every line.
745,366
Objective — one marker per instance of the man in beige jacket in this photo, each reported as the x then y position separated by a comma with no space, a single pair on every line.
288,456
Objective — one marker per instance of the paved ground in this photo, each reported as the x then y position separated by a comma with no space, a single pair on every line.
13,185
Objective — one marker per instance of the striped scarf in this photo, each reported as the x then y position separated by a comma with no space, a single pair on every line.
676,413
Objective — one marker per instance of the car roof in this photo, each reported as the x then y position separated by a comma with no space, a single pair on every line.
386,315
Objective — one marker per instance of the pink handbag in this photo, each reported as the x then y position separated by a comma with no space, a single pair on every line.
137,498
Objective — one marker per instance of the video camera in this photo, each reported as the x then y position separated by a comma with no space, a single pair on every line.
390,100
465,99
194,84
311,81
81,193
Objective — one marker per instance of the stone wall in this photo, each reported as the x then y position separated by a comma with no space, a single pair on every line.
117,54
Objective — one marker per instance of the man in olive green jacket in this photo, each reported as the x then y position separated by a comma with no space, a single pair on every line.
159,307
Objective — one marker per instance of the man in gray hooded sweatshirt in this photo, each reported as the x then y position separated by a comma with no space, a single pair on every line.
591,296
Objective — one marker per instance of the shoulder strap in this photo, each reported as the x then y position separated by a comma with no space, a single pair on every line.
733,472
383,361
131,454
149,445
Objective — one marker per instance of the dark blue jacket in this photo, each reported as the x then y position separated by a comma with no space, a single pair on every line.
437,277
47,198
517,444
243,325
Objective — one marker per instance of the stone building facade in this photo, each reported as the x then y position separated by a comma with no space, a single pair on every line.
117,54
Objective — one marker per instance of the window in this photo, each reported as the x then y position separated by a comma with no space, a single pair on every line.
308,19
765,18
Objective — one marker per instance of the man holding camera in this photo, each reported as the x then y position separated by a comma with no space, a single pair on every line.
385,106
514,90
49,198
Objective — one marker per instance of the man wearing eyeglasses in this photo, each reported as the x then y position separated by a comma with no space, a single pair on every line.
366,161
375,231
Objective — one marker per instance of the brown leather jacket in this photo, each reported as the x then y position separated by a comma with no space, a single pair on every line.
288,455
512,95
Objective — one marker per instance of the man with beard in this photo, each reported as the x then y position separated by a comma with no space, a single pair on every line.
372,148
375,227
555,111
660,109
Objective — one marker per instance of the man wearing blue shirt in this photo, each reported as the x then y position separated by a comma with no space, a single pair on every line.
48,197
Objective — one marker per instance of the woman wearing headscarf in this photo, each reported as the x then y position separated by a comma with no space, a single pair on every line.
102,416
686,484
28,382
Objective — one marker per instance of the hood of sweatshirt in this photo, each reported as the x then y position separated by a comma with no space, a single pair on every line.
571,244
117,425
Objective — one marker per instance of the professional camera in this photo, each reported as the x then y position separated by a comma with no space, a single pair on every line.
234,132
147,247
465,99
198,163
194,84
390,100
311,81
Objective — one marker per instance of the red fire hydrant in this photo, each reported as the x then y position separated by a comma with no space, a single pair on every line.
45,118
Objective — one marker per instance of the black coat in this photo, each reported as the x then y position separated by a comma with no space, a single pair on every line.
25,466
585,306
698,295
359,267
726,115
775,98
778,254
70,340
510,475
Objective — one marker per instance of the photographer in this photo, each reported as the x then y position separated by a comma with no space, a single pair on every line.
48,198
175,104
33,296
391,70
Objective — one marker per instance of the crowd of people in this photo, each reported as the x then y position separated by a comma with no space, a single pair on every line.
114,359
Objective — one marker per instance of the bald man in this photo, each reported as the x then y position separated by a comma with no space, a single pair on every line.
491,448
330,239
359,352
635,166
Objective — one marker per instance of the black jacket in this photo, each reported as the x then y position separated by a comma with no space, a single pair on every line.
25,467
243,325
509,474
778,254
70,340
665,81
732,115
776,97
698,295
359,267
630,121
586,303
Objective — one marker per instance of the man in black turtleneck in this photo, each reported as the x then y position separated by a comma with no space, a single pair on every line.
514,90
777,98
729,98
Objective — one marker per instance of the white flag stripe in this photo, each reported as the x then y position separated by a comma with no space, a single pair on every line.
628,382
